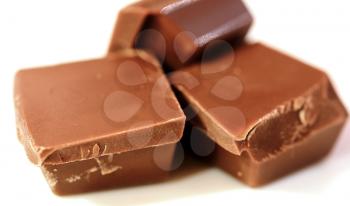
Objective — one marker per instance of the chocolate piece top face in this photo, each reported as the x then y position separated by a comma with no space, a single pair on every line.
185,26
87,109
256,99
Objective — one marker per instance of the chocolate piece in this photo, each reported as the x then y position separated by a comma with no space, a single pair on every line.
270,114
72,117
179,30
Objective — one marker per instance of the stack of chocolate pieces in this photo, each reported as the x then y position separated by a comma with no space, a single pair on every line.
115,121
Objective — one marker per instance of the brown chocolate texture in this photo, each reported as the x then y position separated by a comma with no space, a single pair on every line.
115,170
261,107
87,109
178,31
96,124
114,121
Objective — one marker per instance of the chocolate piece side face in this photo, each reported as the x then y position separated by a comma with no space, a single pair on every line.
183,35
115,170
314,146
89,109
276,92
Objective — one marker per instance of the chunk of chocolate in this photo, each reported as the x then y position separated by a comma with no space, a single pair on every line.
99,123
268,113
178,31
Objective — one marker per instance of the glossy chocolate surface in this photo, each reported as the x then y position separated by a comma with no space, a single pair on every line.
260,106
88,109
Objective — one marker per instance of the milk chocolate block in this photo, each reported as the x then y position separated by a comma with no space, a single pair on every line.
177,31
97,124
268,113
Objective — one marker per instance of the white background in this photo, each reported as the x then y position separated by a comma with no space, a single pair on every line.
41,32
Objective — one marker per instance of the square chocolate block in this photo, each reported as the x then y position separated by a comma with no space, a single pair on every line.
268,113
99,123
177,32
